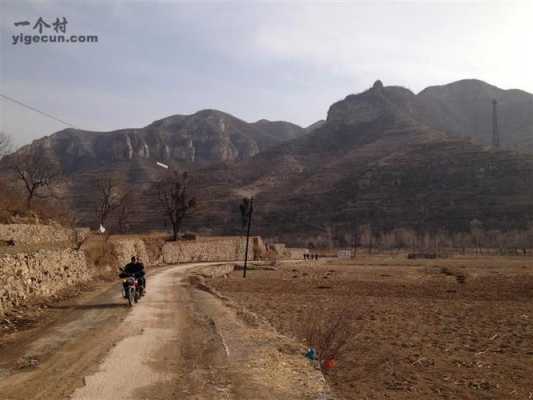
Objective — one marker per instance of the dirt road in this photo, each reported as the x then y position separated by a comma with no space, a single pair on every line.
178,342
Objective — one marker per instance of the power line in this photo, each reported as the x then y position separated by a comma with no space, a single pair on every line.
35,110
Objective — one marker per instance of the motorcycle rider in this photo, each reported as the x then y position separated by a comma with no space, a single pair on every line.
133,268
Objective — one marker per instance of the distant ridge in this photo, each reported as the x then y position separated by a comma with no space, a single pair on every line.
189,141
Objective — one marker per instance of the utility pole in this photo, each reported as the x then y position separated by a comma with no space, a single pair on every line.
247,209
495,130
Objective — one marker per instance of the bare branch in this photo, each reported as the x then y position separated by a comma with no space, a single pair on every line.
124,210
36,171
174,199
108,198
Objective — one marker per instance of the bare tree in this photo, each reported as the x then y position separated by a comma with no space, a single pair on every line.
328,230
354,239
172,192
124,213
108,198
476,229
6,146
36,171
366,235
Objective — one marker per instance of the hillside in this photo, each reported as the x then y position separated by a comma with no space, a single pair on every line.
464,108
377,161
386,156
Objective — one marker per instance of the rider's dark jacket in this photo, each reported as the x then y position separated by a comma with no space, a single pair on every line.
134,269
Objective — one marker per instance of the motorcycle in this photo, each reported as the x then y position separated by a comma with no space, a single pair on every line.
131,288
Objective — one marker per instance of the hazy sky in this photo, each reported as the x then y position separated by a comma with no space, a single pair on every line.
283,60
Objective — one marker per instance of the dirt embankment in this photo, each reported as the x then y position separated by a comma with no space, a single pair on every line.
453,329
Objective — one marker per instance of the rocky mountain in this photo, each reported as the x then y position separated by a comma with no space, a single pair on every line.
375,160
187,141
129,156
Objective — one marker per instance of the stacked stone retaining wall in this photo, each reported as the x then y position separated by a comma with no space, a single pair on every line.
43,273
220,249
124,249
41,270
33,234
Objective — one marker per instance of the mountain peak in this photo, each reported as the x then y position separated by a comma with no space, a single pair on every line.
372,105
211,112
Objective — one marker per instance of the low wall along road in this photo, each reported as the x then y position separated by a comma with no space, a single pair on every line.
52,264
210,250
44,273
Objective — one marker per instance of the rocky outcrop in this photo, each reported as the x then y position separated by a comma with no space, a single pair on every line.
462,108
41,274
208,136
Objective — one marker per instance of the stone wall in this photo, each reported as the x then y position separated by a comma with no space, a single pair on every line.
278,248
82,234
291,253
35,234
124,249
26,274
44,273
219,249
296,253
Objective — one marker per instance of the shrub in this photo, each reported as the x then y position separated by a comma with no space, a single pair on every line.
327,331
